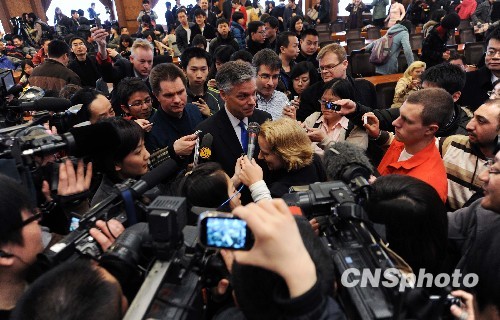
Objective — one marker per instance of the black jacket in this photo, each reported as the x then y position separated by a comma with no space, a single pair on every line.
219,41
433,48
364,91
254,47
86,70
208,32
477,84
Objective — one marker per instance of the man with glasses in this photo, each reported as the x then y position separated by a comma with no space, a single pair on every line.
268,64
333,64
256,40
135,100
83,65
481,81
229,127
53,74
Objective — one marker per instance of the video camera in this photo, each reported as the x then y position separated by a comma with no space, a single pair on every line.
355,244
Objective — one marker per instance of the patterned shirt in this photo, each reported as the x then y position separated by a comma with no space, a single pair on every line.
274,105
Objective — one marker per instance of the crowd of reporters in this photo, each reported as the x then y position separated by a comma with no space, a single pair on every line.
434,190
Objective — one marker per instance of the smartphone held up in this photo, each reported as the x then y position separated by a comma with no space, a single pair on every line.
220,230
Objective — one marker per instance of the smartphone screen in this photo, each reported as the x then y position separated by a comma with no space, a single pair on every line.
225,232
74,224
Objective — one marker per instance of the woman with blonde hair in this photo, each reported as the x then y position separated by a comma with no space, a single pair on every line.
409,83
286,150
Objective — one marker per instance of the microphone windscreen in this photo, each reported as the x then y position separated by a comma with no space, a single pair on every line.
94,139
49,104
340,155
206,146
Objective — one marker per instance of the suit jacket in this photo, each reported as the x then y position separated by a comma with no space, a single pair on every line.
477,84
114,73
226,147
181,37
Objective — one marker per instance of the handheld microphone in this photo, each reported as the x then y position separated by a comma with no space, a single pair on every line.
253,132
43,104
205,151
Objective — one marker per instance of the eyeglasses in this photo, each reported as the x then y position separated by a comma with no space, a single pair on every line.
140,103
37,215
489,164
329,67
262,32
492,52
266,77
78,44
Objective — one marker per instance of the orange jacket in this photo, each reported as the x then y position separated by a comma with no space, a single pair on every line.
425,165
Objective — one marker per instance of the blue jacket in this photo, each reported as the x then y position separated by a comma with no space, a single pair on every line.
399,41
238,34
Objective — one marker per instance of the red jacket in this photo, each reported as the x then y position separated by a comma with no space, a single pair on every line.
39,57
466,9
425,165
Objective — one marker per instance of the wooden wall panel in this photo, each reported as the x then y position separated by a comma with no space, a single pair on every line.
128,10
13,8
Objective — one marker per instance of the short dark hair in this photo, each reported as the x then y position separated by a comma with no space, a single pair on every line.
446,76
58,48
308,32
199,39
76,38
74,11
194,52
13,199
145,2
127,87
221,21
85,97
223,53
254,26
283,40
438,105
237,16
168,4
165,72
415,219
242,55
266,57
342,88
205,186
18,37
129,134
71,290
273,22
199,12
493,34
456,56
181,10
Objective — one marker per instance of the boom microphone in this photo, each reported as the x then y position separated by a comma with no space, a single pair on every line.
79,141
253,132
165,170
43,104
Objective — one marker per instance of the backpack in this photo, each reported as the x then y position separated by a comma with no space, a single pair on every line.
381,49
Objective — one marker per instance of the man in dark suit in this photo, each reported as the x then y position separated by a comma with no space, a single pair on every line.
236,82
479,82
211,17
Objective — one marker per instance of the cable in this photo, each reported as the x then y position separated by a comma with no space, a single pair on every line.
231,198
